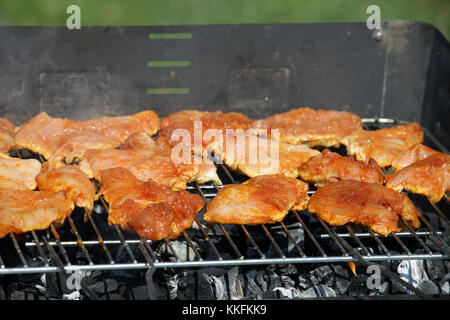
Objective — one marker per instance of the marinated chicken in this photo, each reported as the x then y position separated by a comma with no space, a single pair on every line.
146,159
369,204
7,133
331,167
383,145
63,139
24,210
71,180
312,127
17,173
413,154
190,129
151,210
256,156
263,199
429,177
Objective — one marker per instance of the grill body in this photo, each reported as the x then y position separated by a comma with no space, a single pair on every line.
400,74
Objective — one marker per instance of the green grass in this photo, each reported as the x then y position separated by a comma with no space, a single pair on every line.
180,12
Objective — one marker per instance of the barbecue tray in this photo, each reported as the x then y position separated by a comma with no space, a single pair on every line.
390,76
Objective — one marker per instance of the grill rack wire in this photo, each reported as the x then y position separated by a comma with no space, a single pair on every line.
52,248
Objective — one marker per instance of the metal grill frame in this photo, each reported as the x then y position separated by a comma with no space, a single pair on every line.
61,262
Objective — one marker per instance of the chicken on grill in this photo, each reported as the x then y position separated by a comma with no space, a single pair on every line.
331,167
313,127
147,159
63,139
369,204
71,180
429,177
7,133
256,156
195,124
263,199
25,210
151,210
17,173
383,145
413,154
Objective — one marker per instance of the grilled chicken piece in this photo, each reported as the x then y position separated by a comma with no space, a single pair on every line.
313,127
151,210
71,180
18,174
256,156
369,204
146,159
331,167
7,133
383,145
429,177
58,139
24,210
263,199
413,154
198,122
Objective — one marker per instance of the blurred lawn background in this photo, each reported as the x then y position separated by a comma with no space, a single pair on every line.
180,12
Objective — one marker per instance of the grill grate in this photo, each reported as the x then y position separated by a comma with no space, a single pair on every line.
108,247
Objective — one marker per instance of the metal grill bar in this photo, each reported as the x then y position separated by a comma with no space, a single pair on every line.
99,237
40,250
424,246
80,241
18,250
300,251
308,232
400,242
186,236
171,249
60,246
361,259
358,241
333,236
382,246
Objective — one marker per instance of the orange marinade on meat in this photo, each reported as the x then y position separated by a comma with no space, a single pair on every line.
329,167
135,205
313,127
383,145
256,156
207,120
413,154
7,133
369,204
148,159
263,199
58,139
429,177
18,173
25,210
71,180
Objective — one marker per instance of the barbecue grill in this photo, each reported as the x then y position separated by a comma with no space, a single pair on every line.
390,76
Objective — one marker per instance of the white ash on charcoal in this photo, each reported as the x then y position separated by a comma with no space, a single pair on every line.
414,272
182,251
209,283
